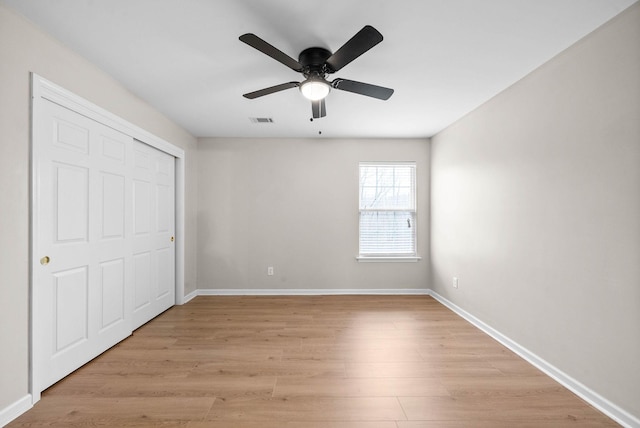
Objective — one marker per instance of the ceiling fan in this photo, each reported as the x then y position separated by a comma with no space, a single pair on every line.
316,63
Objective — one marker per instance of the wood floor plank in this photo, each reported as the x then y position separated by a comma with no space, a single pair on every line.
506,423
312,368
421,369
507,386
309,362
551,407
353,354
291,424
308,409
80,409
194,385
194,353
358,387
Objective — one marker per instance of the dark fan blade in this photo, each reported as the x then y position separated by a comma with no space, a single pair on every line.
264,47
271,90
364,40
318,109
374,91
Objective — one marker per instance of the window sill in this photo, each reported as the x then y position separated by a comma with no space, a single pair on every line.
388,259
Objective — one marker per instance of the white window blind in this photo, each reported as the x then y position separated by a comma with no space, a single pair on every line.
388,209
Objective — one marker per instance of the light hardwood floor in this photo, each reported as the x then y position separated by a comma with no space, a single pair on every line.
310,362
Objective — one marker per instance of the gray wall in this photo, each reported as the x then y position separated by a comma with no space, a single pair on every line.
536,208
293,205
23,49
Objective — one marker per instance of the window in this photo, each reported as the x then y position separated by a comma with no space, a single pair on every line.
387,210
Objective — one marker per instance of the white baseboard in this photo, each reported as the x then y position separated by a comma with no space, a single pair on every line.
306,292
16,409
616,413
190,296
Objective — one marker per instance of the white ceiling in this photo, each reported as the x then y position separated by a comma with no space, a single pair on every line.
443,57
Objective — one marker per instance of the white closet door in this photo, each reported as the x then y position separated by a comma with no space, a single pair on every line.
153,189
82,281
103,253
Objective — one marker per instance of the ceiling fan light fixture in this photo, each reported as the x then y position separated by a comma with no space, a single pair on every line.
315,88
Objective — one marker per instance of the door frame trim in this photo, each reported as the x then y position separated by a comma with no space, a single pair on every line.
43,89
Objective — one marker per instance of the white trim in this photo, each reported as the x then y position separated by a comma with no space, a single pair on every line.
180,192
383,259
388,163
41,89
387,210
307,292
190,296
610,409
54,93
14,410
413,210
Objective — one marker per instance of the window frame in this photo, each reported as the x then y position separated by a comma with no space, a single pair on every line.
389,257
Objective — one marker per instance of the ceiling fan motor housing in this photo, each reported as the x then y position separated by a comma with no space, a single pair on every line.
313,61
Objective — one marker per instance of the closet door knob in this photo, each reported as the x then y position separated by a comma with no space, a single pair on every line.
45,260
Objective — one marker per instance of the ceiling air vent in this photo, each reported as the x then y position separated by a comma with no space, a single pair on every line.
261,119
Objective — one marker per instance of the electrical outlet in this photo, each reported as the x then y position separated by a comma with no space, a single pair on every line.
270,270
455,282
